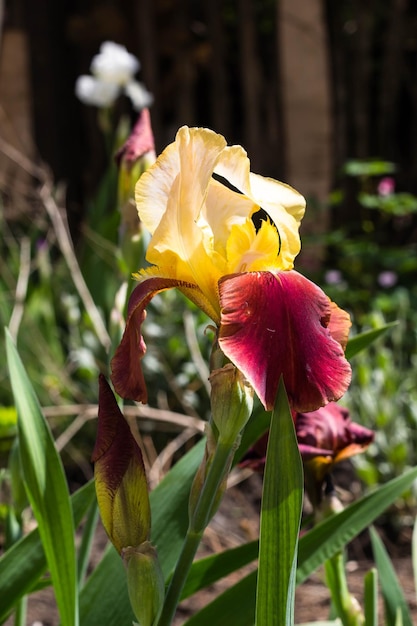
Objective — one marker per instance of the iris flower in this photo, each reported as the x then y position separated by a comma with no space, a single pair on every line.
325,437
227,239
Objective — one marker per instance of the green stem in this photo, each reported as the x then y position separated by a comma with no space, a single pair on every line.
346,605
21,612
198,522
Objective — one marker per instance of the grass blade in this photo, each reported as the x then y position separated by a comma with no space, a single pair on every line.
47,489
319,544
414,554
363,340
282,500
331,535
234,607
396,607
209,570
25,561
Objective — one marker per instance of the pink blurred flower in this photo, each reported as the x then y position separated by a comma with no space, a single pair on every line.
386,186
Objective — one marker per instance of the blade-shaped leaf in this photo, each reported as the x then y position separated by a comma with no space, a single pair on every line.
104,598
234,607
84,551
47,489
392,593
414,554
25,561
331,535
315,547
363,340
336,622
209,570
282,501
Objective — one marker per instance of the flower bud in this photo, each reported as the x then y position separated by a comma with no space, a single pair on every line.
231,402
145,583
121,486
134,157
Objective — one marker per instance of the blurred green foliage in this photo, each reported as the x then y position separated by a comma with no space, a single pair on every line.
368,271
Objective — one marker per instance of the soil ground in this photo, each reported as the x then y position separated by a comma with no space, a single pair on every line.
237,522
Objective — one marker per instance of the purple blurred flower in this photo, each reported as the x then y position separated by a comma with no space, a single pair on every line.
387,279
333,277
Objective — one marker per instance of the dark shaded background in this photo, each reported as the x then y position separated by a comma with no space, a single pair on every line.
217,63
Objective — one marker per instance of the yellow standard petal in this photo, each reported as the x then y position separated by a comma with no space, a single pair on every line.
170,197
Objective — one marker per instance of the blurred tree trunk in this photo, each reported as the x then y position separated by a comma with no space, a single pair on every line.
306,108
144,15
250,76
219,92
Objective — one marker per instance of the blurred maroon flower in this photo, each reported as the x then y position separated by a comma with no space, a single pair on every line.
325,437
330,432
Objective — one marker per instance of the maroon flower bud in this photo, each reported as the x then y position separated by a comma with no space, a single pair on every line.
121,485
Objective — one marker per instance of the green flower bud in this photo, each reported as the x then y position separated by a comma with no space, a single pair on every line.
231,402
145,583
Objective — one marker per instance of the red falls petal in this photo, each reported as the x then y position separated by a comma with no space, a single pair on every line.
277,324
127,376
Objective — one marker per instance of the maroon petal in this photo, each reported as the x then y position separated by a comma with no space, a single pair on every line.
331,428
275,325
127,376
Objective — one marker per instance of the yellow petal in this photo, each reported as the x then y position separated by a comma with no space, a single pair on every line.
251,251
285,206
170,197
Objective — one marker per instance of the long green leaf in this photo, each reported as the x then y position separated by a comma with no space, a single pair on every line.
104,598
84,551
209,570
47,489
363,340
315,547
336,622
234,607
414,554
25,561
106,588
282,501
392,593
331,535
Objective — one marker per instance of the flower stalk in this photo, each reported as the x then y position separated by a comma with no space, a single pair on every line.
201,515
231,403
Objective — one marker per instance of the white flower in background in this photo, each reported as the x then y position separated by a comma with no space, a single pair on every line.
139,95
113,71
114,64
90,90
